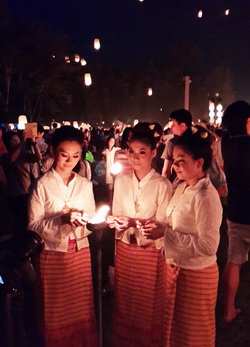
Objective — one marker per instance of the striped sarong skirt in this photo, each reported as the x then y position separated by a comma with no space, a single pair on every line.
138,296
189,309
64,297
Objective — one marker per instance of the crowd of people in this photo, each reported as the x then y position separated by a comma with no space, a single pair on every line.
166,210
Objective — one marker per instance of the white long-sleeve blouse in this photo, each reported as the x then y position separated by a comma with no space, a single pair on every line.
152,194
196,215
46,208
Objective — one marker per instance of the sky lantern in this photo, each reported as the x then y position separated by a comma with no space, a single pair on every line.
150,91
200,14
83,62
22,120
227,12
77,58
97,44
87,79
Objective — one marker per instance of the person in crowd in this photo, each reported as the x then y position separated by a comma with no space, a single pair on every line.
181,122
121,154
235,152
21,167
138,291
59,206
191,234
3,148
41,144
109,154
158,162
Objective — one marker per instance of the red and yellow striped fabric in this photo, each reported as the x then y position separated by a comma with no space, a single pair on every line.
65,298
189,310
138,298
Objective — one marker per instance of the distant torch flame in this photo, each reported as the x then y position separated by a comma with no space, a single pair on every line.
100,215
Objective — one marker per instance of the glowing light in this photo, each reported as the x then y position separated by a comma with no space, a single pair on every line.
100,215
22,120
219,114
66,58
83,62
87,79
46,127
200,14
116,168
211,112
77,58
97,44
53,56
136,121
227,12
11,125
66,122
75,124
150,91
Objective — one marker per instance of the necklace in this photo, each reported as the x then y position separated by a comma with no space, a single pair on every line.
136,203
175,202
137,192
66,198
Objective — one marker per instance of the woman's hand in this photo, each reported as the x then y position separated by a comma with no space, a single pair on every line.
111,221
75,218
120,223
151,229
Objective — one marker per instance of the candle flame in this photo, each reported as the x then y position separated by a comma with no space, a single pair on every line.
100,215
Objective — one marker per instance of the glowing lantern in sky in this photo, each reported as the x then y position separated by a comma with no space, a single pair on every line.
227,12
97,44
150,91
87,79
77,58
200,14
22,120
83,62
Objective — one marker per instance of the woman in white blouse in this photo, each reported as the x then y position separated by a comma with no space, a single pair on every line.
191,238
138,302
109,153
59,205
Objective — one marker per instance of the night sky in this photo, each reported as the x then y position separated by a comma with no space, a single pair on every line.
134,31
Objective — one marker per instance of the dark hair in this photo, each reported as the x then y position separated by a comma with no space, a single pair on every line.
107,140
142,127
40,128
182,116
157,128
145,137
125,137
235,117
7,136
198,144
66,133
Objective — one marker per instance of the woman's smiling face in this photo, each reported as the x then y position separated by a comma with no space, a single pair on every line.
187,168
